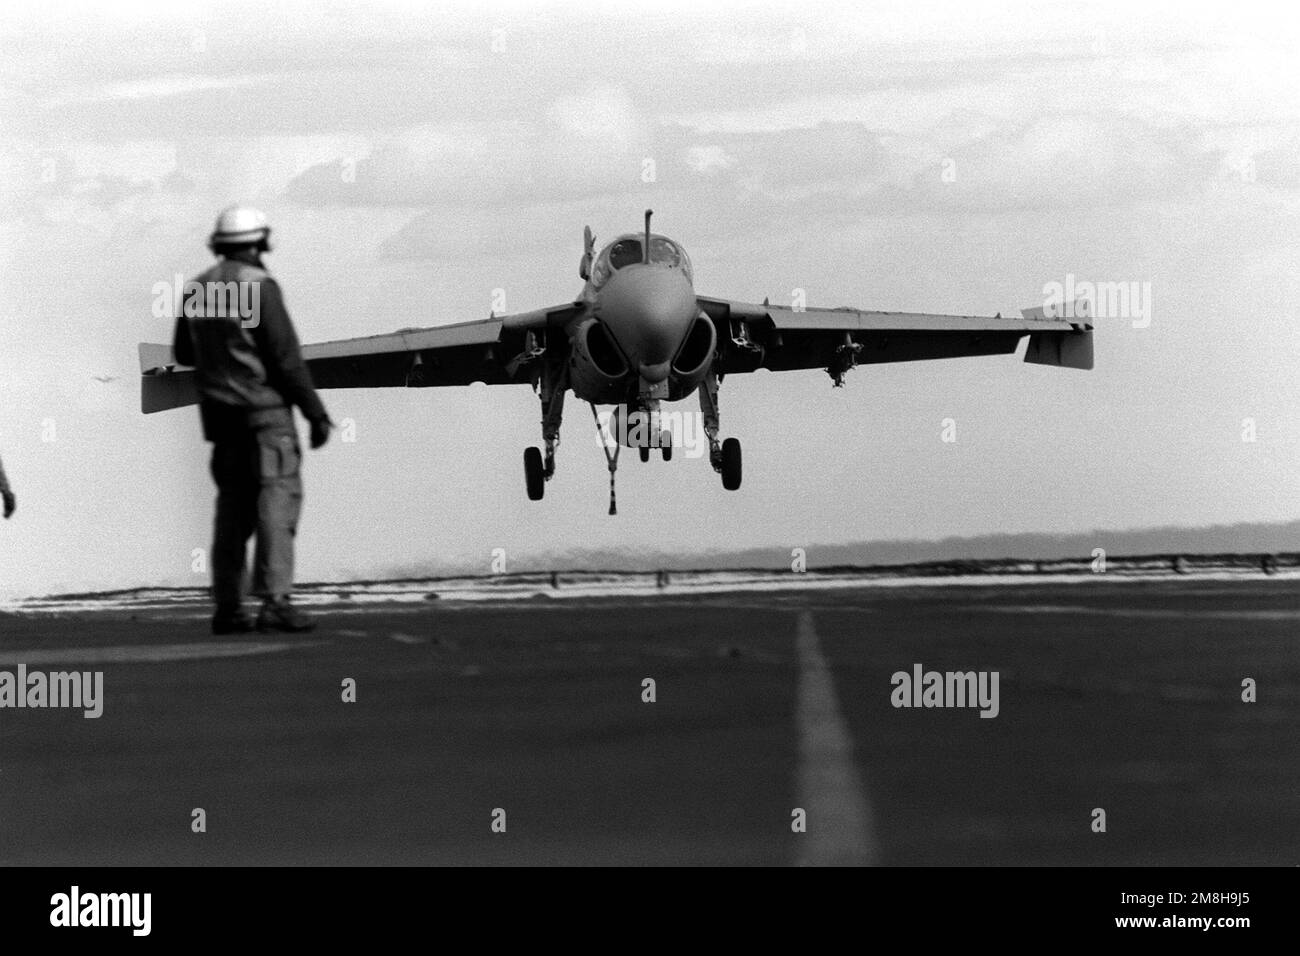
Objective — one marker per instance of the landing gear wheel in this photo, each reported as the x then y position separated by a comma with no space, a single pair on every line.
534,473
666,445
644,451
731,464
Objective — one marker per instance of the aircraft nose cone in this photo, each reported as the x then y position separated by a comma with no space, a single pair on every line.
648,309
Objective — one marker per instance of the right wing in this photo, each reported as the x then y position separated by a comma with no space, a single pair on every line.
781,338
497,350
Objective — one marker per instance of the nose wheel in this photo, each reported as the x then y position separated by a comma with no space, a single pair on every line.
664,444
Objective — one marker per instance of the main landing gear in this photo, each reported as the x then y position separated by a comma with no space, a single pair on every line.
538,471
539,467
725,457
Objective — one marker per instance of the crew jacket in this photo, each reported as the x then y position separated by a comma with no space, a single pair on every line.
238,337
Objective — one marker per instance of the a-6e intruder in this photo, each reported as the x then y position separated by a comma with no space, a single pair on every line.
638,335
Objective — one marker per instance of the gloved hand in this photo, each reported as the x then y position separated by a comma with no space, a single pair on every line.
320,431
10,503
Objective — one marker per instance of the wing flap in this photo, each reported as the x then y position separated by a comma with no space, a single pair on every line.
1062,349
163,384
163,390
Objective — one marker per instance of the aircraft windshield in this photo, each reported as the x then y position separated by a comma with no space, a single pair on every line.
624,253
663,251
628,251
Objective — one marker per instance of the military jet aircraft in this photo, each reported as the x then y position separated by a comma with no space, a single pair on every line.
638,335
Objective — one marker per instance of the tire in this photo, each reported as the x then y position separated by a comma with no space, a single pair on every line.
534,475
644,451
731,464
666,445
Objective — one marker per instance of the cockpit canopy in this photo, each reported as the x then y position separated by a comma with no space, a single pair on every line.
627,250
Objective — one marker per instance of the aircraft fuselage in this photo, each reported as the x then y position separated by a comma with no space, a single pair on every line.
642,337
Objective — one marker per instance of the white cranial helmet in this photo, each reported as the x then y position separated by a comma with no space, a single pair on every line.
238,225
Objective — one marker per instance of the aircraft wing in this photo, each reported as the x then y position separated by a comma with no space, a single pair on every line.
781,338
500,350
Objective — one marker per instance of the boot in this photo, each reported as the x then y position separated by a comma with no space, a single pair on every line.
278,614
231,621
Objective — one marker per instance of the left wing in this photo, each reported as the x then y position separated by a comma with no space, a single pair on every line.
782,338
499,350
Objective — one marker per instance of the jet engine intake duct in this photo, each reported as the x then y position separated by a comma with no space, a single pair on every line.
604,353
598,370
693,357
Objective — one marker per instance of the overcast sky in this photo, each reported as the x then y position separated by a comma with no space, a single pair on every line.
951,157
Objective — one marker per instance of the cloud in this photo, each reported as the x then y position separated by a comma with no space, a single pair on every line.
840,172
154,88
1059,161
585,145
601,118
1277,166
708,159
101,187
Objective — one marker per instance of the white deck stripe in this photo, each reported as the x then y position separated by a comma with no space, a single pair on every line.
146,653
840,829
